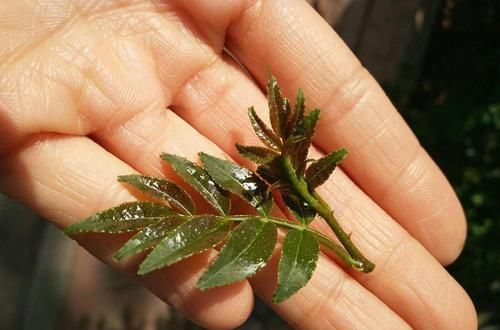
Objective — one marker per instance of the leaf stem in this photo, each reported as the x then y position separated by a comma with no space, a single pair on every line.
324,210
322,239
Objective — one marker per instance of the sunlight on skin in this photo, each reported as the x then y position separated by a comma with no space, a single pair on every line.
99,75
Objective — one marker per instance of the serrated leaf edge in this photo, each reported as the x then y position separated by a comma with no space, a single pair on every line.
174,202
201,189
275,299
202,279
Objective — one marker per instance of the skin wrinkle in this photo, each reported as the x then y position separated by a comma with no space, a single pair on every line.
339,115
62,196
102,198
207,37
349,85
96,84
350,82
252,8
416,188
439,211
381,129
210,100
428,304
407,157
193,76
428,317
131,130
36,145
88,76
414,177
330,297
393,255
375,236
33,46
82,125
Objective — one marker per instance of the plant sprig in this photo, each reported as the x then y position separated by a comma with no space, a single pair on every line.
173,231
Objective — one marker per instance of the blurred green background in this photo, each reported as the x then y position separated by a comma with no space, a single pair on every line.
454,109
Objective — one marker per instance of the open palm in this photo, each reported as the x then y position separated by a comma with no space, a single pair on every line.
90,90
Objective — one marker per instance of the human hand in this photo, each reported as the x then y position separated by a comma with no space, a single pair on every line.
83,92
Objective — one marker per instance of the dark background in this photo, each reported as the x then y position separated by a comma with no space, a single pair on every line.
454,109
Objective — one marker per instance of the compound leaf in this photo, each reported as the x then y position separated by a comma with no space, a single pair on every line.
239,181
122,218
199,179
319,171
150,236
249,247
163,189
191,237
299,256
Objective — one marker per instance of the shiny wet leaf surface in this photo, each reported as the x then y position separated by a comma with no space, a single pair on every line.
199,179
250,246
193,236
320,170
299,256
239,181
125,217
162,189
150,236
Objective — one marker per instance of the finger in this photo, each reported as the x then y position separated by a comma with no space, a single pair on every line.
407,278
67,178
331,300
344,303
386,160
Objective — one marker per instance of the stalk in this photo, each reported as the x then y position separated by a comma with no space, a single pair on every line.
324,210
322,239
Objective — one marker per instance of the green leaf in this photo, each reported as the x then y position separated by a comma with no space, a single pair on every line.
277,110
258,155
163,189
272,171
249,247
194,236
299,256
287,113
300,141
122,218
150,236
298,113
320,170
264,133
199,179
239,181
301,210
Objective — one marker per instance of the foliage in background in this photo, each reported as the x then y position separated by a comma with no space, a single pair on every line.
455,112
